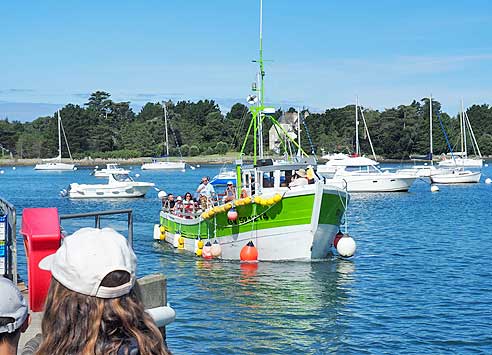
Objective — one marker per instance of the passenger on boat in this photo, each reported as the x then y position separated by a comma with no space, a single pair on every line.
230,192
206,189
14,317
170,203
178,207
301,179
93,304
188,205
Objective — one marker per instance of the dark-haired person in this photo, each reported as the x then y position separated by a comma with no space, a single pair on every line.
14,317
230,192
93,304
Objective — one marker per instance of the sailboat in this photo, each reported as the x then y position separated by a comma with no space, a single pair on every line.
56,164
461,158
456,175
361,174
164,165
280,222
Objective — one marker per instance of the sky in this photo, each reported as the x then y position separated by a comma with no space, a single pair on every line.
321,53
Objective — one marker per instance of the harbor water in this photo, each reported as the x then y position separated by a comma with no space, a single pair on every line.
420,283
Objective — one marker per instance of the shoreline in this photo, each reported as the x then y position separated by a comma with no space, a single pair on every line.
202,160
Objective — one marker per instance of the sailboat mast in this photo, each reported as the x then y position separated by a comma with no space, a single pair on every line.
463,140
299,131
59,135
165,127
430,130
462,121
357,148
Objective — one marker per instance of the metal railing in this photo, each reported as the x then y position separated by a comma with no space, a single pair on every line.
8,211
97,219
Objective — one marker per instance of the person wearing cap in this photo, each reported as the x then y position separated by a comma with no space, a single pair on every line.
230,192
205,188
301,180
14,317
93,304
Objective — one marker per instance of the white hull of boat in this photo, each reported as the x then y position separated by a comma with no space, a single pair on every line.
456,177
164,165
373,182
462,162
123,190
273,244
55,167
105,173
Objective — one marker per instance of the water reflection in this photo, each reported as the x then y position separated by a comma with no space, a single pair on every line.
263,308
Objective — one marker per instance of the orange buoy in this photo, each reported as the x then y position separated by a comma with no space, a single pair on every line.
338,236
249,253
232,215
207,251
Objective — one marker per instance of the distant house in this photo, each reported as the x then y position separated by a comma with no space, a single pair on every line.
288,121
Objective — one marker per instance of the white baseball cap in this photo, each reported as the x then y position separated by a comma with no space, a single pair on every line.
12,305
87,256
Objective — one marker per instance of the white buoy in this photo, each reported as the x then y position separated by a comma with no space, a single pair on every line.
137,175
197,165
162,194
434,188
96,167
183,170
488,181
486,165
1,171
13,168
346,246
75,168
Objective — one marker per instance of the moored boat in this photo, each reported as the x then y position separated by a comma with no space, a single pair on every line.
118,186
56,164
456,176
111,168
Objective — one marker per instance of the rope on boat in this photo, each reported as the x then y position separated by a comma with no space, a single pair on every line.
249,220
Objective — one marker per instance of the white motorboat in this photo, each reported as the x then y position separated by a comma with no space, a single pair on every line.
56,164
361,174
118,186
456,176
160,164
164,165
111,168
225,174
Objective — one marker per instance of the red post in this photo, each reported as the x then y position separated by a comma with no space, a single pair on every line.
41,231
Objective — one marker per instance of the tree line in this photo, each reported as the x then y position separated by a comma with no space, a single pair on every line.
108,129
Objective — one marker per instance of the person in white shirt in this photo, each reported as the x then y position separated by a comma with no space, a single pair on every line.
205,189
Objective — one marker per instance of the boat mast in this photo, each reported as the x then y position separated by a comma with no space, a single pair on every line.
59,135
261,75
165,127
299,131
357,148
463,138
430,129
462,121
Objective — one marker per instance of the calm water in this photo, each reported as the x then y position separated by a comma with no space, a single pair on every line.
421,282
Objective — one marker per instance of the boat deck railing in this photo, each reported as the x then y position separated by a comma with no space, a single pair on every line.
8,241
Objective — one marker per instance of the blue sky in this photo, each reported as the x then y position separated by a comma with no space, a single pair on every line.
324,52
